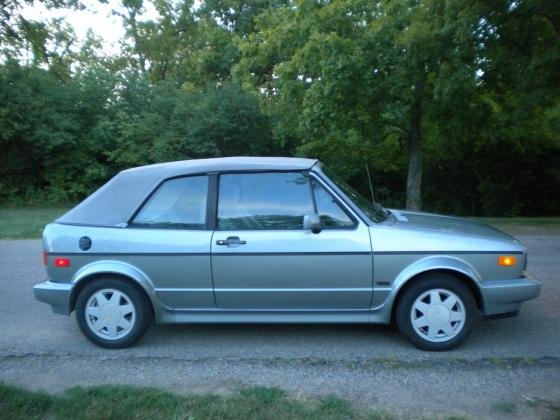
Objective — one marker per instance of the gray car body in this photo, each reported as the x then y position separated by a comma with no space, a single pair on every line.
339,275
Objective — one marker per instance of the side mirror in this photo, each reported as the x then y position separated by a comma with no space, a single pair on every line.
312,222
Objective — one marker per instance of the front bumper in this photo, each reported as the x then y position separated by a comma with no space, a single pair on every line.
57,295
505,296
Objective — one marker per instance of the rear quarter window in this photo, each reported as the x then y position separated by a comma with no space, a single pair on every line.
178,203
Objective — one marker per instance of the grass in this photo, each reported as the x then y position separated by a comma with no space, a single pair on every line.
505,407
522,224
116,401
520,221
549,409
26,222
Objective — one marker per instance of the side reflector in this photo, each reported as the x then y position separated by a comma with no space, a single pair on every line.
62,262
45,258
507,261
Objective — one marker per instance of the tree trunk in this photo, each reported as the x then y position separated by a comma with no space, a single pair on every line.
414,178
132,21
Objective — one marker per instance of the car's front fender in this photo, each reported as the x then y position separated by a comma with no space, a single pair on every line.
384,298
436,262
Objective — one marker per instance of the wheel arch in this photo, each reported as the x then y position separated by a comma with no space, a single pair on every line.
463,278
453,266
114,269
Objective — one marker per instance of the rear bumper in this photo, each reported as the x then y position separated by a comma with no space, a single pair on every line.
57,295
506,296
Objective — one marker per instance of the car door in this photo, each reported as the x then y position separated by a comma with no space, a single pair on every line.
262,258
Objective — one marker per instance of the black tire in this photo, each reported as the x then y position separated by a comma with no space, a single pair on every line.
142,312
431,282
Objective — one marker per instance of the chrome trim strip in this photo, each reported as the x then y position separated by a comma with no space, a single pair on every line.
202,254
443,252
175,289
293,311
262,254
259,254
348,289
133,254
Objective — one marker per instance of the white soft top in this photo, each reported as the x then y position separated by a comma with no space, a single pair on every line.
115,202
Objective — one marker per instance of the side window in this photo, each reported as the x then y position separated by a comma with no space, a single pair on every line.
178,203
330,213
263,201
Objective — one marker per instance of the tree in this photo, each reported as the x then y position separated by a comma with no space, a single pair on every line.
18,34
359,73
223,121
46,142
162,123
462,95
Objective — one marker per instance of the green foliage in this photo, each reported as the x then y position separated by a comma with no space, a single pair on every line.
112,401
162,123
62,139
361,82
47,142
454,104
26,222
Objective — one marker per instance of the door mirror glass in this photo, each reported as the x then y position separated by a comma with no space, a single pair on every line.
312,222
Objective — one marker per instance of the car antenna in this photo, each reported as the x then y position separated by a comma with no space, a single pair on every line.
370,184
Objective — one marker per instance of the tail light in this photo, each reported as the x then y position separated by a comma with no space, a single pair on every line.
62,262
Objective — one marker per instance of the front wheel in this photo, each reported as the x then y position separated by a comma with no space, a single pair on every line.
112,313
436,312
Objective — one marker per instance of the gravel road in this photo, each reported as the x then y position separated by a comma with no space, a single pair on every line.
506,368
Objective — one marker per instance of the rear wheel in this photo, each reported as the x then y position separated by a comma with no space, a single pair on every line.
435,313
112,313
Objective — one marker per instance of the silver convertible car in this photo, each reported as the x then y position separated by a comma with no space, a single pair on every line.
271,240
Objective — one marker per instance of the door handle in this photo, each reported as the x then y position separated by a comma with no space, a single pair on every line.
231,241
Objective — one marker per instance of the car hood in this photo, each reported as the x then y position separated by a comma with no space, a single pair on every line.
446,224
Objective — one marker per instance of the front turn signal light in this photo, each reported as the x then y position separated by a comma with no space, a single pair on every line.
507,261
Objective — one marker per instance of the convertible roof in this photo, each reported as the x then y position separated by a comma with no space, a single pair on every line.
115,202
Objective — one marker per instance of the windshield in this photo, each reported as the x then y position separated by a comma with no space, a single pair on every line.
374,211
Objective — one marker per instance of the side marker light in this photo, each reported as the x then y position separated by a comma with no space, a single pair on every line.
507,261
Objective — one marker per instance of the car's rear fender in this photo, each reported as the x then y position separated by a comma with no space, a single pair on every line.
122,269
